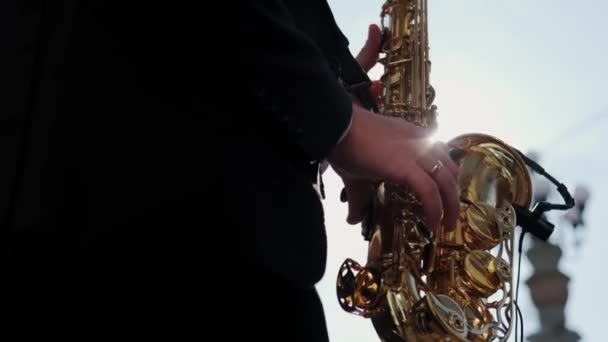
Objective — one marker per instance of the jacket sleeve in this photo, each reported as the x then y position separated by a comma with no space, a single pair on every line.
289,78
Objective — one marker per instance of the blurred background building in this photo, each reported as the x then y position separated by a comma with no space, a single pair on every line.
548,285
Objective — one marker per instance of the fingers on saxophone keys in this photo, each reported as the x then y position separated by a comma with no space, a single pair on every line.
440,151
446,182
427,191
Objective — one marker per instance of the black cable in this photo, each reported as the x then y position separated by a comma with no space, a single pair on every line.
519,315
534,221
522,323
561,188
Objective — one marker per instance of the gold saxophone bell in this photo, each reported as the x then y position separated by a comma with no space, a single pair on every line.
447,286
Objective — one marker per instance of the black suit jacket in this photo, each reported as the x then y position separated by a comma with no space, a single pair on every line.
159,136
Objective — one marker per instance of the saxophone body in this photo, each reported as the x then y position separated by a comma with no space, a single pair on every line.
418,285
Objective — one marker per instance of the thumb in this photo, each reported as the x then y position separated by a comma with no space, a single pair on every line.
368,56
359,196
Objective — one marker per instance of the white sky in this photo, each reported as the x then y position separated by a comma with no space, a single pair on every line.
529,72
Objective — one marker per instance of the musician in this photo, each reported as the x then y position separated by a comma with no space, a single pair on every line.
181,146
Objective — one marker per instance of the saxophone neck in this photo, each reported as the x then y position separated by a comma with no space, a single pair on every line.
407,90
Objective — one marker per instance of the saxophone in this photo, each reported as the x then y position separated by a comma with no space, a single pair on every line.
444,286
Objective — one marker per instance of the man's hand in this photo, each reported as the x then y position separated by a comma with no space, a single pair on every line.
359,190
383,148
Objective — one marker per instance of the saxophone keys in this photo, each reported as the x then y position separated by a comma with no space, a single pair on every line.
484,273
357,287
366,288
440,315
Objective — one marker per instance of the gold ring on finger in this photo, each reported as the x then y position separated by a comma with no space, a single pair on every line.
436,168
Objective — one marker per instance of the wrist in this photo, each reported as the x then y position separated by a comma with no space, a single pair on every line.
344,149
